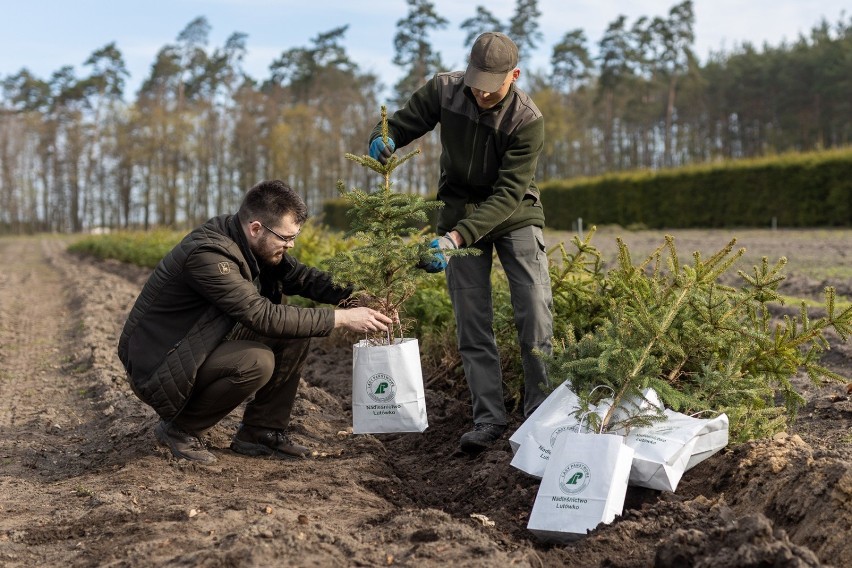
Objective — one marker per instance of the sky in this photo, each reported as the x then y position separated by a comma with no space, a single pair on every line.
45,35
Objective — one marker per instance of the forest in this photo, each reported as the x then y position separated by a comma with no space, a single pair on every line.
80,153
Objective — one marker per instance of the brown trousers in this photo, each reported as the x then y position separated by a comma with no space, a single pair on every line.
243,365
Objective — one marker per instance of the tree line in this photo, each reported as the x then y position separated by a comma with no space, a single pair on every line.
77,153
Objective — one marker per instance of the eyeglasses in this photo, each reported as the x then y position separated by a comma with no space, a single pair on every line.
282,238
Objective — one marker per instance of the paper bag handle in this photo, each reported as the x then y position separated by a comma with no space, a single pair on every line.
582,416
693,415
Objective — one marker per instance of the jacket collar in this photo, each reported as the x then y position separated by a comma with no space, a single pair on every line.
469,94
235,231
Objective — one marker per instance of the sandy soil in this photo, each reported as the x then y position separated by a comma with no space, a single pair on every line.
83,483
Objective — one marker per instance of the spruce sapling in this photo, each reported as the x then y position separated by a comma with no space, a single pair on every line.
700,344
382,267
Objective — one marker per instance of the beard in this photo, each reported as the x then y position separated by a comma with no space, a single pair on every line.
266,253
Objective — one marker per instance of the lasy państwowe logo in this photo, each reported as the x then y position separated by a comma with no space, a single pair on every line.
575,478
556,433
381,387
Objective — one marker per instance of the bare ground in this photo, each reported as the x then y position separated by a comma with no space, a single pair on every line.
83,483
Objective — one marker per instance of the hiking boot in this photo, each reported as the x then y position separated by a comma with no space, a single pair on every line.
254,441
482,436
182,444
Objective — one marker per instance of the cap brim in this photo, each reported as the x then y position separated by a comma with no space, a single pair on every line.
479,79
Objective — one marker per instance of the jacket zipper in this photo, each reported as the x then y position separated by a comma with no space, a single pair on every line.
485,155
475,136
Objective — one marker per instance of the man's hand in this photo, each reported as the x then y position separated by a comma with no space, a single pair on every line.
439,262
381,151
361,320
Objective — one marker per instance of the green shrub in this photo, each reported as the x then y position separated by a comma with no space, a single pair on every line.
794,190
317,242
135,247
334,214
700,345
659,323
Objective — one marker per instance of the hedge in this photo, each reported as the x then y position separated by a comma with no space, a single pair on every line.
792,190
796,190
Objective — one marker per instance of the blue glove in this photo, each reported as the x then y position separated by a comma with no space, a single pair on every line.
439,262
381,152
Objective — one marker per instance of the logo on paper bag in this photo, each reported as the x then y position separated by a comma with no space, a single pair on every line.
655,434
574,478
381,387
556,433
663,430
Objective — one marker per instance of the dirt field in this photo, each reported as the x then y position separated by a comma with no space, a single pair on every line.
82,482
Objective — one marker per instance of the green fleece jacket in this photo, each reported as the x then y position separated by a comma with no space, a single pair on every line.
488,157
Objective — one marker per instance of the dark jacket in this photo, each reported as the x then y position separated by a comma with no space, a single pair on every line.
195,296
488,158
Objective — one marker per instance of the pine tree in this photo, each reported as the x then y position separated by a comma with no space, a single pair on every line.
382,266
699,344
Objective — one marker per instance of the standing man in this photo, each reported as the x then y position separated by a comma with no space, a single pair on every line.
208,330
491,135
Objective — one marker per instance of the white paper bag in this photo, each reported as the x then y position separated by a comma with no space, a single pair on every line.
647,403
709,440
584,484
535,450
533,441
387,388
561,402
664,450
661,453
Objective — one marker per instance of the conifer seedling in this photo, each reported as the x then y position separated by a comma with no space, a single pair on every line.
382,266
700,344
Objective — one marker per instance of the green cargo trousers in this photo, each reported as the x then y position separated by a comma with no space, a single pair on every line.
523,256
246,366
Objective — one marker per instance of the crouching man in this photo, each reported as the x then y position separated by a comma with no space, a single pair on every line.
208,331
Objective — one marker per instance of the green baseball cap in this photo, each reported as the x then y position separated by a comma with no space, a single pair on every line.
493,55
